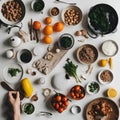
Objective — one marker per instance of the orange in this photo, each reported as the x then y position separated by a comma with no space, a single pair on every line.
36,25
111,92
48,20
103,62
58,26
47,39
48,30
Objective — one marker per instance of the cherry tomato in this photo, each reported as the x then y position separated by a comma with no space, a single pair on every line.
56,106
60,110
58,98
66,103
64,99
77,88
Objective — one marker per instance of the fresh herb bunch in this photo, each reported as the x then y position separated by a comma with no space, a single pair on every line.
71,69
13,71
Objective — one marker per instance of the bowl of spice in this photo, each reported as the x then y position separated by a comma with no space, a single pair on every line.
71,15
37,5
66,41
105,76
109,48
54,11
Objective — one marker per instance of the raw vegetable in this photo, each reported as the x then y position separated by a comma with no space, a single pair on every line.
71,69
13,71
93,87
27,87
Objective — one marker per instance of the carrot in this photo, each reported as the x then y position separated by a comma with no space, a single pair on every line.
111,63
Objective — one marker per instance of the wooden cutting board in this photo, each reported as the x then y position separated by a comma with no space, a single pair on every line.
48,62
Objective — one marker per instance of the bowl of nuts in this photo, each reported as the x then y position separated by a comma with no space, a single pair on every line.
71,15
12,11
105,76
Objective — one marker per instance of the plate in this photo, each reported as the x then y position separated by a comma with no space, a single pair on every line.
113,115
7,76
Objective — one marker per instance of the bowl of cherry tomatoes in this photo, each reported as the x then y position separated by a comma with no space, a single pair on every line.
59,102
77,92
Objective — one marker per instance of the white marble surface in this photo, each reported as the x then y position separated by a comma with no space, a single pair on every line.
41,104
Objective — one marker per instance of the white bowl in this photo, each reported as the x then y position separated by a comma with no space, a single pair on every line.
106,76
75,109
92,87
64,15
109,48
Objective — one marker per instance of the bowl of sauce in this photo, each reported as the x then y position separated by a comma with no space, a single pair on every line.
37,5
24,56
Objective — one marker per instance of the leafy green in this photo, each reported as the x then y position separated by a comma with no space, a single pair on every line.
13,71
93,87
71,69
28,108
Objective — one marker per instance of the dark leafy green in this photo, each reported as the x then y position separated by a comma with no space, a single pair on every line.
38,6
13,71
93,87
71,69
29,108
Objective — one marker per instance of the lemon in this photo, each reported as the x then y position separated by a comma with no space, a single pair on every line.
111,92
103,62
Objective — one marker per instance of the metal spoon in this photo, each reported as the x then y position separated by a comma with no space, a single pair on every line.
66,2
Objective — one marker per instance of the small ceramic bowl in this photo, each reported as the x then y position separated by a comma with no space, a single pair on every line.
109,48
66,41
37,5
28,108
75,109
71,15
24,56
92,88
105,76
54,11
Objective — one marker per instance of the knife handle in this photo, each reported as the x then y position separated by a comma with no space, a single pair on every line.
6,86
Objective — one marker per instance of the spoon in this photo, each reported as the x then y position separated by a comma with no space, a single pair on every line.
66,2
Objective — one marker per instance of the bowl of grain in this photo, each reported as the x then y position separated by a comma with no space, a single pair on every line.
105,76
71,15
87,54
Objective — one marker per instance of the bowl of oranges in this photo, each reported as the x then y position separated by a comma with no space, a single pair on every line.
59,102
77,92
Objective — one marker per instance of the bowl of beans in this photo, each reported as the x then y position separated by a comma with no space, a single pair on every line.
105,76
12,11
71,15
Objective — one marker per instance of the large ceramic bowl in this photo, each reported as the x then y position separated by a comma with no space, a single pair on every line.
71,15
87,54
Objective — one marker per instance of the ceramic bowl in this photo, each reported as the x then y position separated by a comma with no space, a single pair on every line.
75,109
92,87
66,41
71,15
87,54
109,48
105,76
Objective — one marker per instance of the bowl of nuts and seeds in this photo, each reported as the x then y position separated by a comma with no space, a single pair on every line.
71,15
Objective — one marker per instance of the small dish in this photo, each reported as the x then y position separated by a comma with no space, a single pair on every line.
87,54
37,5
66,41
54,11
28,108
109,48
105,76
75,109
92,87
71,15
24,56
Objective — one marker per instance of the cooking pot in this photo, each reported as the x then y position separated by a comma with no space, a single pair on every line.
10,23
102,19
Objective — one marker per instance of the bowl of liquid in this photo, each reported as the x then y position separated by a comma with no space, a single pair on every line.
24,56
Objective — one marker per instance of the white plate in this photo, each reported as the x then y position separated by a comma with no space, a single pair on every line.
8,77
